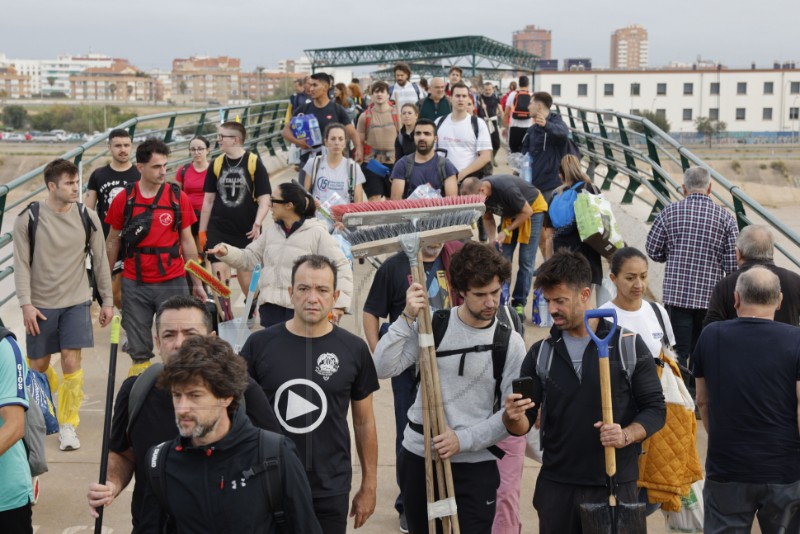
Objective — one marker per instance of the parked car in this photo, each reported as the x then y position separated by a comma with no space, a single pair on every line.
46,138
13,136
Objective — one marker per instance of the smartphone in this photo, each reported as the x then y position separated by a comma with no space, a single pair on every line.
524,386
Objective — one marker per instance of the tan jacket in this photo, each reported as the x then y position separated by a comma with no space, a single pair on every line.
276,253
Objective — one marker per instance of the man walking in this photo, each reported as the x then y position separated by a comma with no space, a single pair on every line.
313,371
748,378
215,476
518,108
568,392
144,415
377,128
489,110
465,138
152,224
105,184
436,104
469,387
51,241
425,166
404,90
755,246
697,240
521,208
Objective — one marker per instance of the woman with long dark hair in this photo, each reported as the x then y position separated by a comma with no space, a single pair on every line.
294,233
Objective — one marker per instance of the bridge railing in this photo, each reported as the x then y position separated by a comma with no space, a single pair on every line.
263,122
621,146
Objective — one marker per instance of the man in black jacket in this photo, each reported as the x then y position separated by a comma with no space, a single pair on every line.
177,319
573,470
755,246
215,477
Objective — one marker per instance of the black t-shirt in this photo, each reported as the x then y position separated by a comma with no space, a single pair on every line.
752,400
387,295
332,112
510,194
107,183
310,384
156,424
235,205
491,103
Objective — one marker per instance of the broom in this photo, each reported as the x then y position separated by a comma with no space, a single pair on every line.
222,292
393,211
445,220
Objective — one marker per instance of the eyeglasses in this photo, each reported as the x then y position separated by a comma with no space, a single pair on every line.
198,149
278,201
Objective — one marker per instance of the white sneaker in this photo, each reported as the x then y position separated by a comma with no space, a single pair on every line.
68,439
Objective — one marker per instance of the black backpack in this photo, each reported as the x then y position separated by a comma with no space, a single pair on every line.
520,109
135,229
269,452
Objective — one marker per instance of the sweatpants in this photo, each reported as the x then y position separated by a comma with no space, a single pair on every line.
476,494
139,305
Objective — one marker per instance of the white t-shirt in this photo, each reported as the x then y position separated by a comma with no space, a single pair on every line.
407,93
517,123
458,138
332,180
645,323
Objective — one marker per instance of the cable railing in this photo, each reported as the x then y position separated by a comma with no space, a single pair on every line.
618,146
263,122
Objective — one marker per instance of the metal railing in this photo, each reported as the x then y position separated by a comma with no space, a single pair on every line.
263,122
631,146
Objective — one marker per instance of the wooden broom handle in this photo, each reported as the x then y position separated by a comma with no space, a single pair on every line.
608,413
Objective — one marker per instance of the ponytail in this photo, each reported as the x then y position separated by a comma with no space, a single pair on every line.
303,203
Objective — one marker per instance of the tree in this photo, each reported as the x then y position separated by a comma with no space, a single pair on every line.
51,80
182,87
657,119
15,117
709,127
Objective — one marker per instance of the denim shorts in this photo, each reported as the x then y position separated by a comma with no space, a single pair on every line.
65,328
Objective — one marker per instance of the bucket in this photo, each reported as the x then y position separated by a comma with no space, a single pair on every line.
235,332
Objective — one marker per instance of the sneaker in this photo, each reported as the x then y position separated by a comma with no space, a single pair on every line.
68,439
138,367
520,309
403,523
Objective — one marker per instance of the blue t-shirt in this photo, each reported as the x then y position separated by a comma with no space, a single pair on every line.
15,474
751,368
423,173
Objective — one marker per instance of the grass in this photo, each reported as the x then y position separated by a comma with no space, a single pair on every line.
779,166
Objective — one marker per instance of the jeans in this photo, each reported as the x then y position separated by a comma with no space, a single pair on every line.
686,324
526,260
731,506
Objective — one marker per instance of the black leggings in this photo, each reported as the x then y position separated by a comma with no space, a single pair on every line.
476,494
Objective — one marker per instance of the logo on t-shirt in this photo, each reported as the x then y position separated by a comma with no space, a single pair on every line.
327,365
232,187
300,401
165,219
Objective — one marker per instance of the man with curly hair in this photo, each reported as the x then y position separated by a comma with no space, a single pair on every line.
469,388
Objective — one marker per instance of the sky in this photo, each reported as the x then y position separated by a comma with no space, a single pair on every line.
151,33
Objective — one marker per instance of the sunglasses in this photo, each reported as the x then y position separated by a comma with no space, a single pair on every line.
279,201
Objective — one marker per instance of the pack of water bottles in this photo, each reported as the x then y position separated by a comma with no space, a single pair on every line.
306,128
541,314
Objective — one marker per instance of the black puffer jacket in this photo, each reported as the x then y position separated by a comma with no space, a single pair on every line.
547,145
207,492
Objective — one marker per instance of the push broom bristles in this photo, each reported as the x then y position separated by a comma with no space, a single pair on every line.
388,211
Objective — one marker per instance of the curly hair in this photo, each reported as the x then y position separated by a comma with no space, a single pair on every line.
210,360
477,265
564,267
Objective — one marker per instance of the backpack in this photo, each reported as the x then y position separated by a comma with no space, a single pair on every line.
441,170
135,229
35,428
520,109
269,451
544,359
33,223
507,320
413,84
252,162
368,120
351,176
182,173
562,206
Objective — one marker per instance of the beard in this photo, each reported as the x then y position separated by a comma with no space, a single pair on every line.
424,151
199,431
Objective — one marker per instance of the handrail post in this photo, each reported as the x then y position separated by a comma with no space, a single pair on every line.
633,183
170,128
611,171
655,164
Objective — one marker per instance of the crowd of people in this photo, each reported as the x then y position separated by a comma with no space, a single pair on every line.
260,440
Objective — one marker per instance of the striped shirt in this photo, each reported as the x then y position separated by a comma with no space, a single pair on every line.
697,240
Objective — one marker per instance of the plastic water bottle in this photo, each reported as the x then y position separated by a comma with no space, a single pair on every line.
316,134
541,313
527,168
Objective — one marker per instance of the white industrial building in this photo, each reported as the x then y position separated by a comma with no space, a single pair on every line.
757,100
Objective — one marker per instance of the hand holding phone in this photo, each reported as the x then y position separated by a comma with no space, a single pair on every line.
523,386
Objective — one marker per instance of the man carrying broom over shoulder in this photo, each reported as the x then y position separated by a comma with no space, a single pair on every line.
573,468
468,386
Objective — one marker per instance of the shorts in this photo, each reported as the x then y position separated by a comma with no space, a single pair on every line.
65,328
376,185
214,238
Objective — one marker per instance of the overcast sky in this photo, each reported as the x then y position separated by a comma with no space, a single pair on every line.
151,33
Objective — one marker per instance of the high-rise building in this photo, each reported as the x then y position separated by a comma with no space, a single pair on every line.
533,40
629,48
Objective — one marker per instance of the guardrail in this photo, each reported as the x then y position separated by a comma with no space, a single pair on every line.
263,122
633,147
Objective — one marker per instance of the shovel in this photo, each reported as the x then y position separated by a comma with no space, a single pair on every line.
613,517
